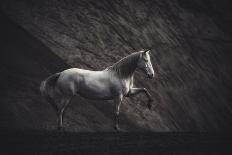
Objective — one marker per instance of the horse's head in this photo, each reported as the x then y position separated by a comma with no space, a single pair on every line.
144,64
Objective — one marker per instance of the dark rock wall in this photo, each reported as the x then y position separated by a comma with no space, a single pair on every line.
190,44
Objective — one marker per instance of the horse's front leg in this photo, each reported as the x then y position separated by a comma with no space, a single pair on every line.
134,91
118,102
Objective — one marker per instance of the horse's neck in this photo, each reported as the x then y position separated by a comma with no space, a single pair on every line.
125,68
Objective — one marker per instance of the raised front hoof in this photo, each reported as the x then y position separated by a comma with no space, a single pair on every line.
149,106
150,100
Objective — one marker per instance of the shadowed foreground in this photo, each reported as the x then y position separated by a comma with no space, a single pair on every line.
115,143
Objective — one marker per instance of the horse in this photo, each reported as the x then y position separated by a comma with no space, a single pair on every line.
113,83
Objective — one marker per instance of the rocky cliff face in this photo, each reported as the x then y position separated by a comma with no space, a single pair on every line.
190,44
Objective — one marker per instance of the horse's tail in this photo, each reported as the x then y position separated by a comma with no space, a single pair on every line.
47,86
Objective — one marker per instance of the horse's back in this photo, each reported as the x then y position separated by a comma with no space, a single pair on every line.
89,84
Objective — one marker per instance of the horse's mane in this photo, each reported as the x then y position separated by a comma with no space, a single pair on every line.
126,66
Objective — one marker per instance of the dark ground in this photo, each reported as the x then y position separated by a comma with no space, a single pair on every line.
44,142
191,44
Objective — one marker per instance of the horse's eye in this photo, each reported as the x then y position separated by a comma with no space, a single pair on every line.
145,60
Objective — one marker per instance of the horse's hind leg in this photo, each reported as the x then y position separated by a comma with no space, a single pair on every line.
61,113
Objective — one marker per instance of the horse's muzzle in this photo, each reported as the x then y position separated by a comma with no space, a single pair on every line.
150,76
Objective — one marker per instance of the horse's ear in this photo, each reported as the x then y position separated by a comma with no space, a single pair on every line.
146,51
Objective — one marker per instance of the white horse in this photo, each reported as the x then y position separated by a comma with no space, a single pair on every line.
113,83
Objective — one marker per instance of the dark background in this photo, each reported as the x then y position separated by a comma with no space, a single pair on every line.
190,44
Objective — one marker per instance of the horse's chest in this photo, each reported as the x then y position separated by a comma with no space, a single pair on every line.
125,86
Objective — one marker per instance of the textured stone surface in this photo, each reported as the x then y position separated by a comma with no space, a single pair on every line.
191,54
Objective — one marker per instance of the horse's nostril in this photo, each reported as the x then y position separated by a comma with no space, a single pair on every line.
150,76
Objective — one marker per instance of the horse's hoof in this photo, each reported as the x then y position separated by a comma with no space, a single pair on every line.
117,128
61,129
149,106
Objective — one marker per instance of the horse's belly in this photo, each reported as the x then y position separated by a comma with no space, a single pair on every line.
96,93
95,90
